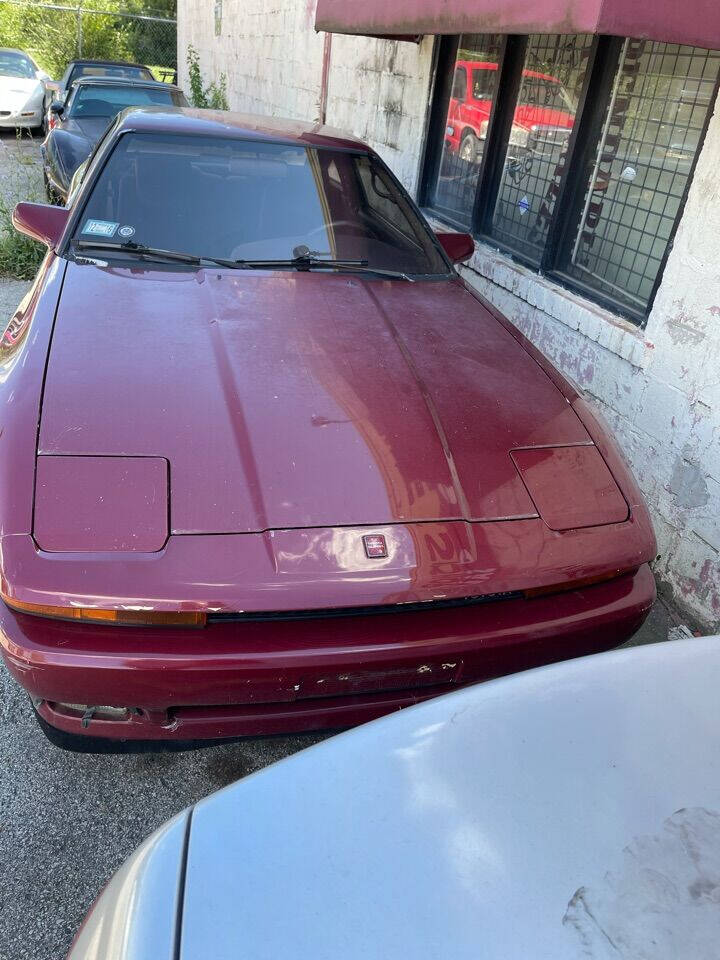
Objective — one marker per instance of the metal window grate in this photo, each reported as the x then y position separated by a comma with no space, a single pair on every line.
652,130
553,75
590,189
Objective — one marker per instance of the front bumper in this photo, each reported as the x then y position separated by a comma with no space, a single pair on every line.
239,678
25,117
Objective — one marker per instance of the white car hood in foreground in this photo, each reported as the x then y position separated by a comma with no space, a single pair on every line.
16,91
571,811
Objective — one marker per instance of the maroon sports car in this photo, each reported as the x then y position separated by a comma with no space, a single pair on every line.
268,464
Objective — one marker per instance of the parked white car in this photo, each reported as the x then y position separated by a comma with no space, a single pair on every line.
568,812
23,91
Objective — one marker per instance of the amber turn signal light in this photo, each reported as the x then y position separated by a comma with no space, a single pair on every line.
137,618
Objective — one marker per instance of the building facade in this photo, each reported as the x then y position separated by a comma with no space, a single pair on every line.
588,168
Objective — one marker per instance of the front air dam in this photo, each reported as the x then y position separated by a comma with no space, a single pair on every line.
236,679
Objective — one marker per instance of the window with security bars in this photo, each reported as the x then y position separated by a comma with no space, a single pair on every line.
468,115
571,153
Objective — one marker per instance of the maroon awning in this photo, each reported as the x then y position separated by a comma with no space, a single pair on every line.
696,22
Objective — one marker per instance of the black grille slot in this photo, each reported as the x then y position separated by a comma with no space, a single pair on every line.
337,612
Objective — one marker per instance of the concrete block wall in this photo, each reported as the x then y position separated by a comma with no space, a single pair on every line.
268,50
379,90
659,388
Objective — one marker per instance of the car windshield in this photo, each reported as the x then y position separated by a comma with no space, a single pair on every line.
252,200
126,71
16,65
107,101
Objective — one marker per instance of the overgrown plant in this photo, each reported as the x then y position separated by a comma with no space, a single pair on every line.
20,256
212,96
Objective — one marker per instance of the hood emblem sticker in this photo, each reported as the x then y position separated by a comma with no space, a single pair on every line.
375,546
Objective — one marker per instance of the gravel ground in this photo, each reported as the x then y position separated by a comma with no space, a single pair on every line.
67,821
20,179
20,167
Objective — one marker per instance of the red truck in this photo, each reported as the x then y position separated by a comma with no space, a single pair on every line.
543,117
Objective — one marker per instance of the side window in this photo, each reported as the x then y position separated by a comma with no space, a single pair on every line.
483,82
459,84
380,200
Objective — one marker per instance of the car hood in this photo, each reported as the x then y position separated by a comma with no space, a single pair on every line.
284,400
89,128
69,144
17,88
529,115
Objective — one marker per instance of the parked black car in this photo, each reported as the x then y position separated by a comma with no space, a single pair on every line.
92,103
115,69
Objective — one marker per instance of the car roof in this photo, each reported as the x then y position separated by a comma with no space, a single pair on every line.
123,82
238,126
107,63
22,53
489,65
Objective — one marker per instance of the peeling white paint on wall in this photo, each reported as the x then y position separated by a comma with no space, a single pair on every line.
659,388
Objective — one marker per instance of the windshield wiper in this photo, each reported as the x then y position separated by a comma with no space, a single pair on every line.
153,253
137,248
309,262
304,262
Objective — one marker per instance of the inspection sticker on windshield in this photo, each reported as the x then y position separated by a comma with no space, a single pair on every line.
100,228
126,232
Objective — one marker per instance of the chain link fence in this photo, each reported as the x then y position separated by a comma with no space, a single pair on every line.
55,33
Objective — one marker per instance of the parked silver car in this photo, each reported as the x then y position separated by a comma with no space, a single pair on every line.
24,95
570,811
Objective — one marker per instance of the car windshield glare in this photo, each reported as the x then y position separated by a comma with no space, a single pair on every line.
106,102
252,200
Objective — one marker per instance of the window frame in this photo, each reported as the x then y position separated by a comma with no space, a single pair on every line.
603,63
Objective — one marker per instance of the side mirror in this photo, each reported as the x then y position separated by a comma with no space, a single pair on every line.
41,75
57,106
41,221
458,246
